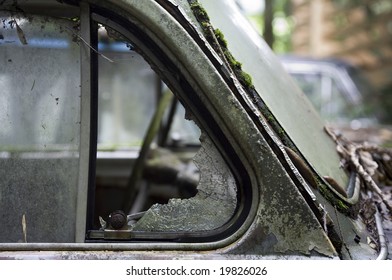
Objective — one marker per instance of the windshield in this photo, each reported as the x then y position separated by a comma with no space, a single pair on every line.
286,102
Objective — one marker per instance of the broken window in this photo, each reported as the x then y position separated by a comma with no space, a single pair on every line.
39,137
172,194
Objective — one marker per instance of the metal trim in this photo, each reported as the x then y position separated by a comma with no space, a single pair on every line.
85,124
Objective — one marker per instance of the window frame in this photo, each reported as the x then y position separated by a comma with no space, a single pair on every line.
163,65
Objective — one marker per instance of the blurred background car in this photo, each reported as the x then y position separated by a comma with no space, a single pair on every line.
341,94
336,89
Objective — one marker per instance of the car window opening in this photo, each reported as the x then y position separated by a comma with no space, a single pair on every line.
146,178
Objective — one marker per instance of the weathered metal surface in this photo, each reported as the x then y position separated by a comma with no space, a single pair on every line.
143,255
284,223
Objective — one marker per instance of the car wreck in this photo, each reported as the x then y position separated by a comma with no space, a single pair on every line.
168,129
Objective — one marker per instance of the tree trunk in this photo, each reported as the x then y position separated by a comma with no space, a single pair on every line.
268,33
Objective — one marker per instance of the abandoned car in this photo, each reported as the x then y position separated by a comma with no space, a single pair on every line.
343,96
167,129
338,90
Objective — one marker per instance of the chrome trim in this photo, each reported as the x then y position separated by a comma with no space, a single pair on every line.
383,254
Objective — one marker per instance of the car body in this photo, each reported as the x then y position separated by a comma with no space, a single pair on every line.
81,181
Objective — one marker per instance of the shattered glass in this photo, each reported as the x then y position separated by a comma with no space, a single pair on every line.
212,206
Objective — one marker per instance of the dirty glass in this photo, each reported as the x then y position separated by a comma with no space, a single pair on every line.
40,125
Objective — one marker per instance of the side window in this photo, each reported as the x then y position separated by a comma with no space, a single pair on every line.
150,179
40,126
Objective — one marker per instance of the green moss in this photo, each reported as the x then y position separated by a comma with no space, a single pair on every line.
221,38
330,196
199,12
281,132
245,79
236,66
205,25
216,38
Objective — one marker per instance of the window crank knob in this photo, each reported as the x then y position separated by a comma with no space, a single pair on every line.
117,219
